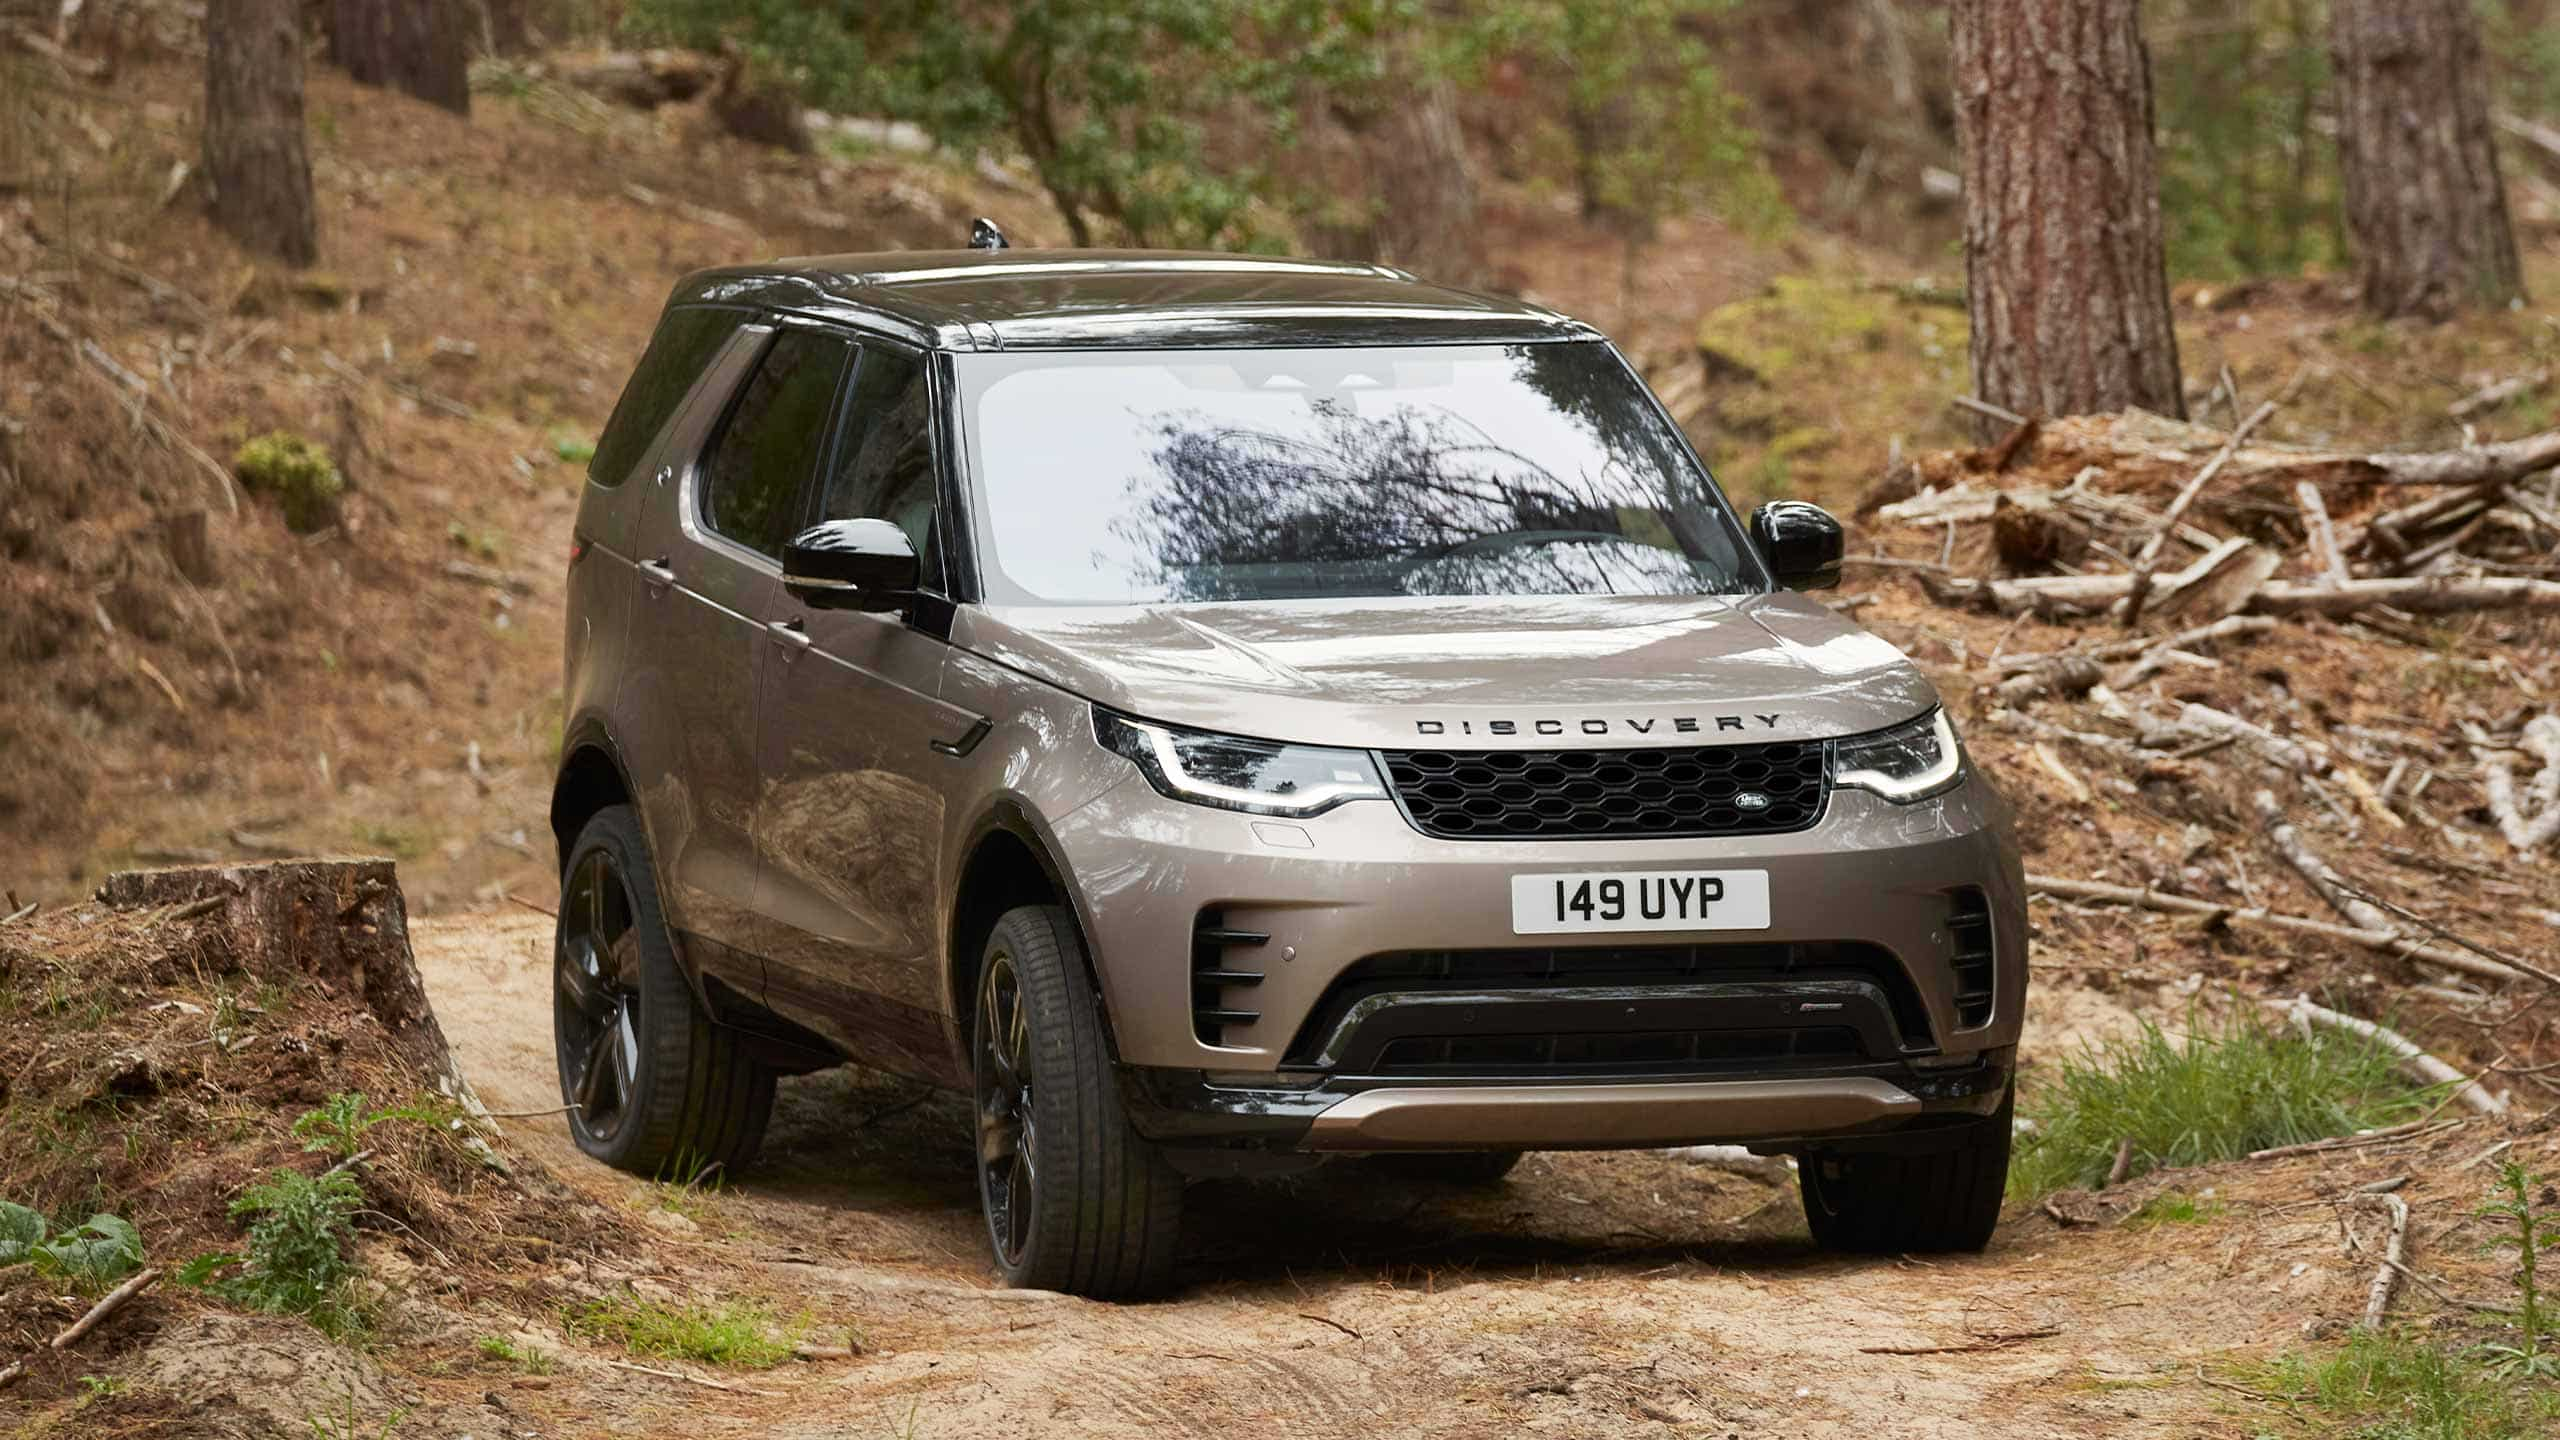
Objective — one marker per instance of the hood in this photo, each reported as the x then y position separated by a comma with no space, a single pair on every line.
1526,672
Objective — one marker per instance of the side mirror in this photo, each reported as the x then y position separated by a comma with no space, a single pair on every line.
851,565
1801,543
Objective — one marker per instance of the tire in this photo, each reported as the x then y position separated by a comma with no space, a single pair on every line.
1457,1167
1886,1204
659,1090
1103,1208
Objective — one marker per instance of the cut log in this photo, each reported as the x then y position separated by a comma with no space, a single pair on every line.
2424,594
2032,535
2139,589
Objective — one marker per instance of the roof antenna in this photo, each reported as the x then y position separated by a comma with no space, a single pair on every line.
983,235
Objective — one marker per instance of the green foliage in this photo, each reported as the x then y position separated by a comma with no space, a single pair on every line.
2532,1358
729,1333
339,1126
2222,1090
572,447
297,1263
2390,1386
1144,119
298,473
2248,184
524,1357
99,1252
1644,126
2174,1207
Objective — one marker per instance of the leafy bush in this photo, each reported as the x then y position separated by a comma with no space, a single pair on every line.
2535,1357
298,473
297,1259
2391,1386
338,1127
101,1251
2222,1090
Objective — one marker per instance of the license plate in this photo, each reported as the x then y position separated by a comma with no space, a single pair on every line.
1602,901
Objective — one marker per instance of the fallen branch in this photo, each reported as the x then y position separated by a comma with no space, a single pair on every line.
706,1383
2222,629
2139,588
2324,881
107,1305
2331,560
2378,1300
2413,1130
2389,943
1971,1347
2419,1062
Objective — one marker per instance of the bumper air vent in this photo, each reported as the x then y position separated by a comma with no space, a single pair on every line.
1221,983
1612,794
1969,927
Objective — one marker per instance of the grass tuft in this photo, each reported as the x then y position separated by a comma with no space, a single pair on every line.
2389,1385
729,1333
2220,1091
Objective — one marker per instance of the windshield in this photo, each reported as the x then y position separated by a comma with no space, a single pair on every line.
1129,477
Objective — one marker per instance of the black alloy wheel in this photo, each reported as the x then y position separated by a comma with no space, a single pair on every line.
595,1004
1008,1134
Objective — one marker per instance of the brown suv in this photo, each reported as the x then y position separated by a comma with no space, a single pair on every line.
1224,713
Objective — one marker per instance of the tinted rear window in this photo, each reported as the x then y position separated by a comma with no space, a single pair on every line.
686,340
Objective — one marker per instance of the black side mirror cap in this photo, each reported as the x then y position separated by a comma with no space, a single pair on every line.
851,565
1801,542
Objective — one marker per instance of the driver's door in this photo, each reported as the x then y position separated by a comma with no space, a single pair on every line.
851,815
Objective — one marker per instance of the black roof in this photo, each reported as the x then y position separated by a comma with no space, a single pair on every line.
1085,299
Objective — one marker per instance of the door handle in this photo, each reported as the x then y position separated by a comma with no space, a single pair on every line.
791,635
657,574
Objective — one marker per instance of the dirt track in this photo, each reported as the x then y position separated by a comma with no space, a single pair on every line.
1591,1295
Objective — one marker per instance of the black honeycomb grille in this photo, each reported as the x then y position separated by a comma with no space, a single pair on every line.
1611,794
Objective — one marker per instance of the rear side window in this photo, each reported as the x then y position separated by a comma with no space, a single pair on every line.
757,472
884,468
686,340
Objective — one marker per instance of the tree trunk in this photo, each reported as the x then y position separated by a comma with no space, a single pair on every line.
2066,284
254,155
505,27
2426,212
417,47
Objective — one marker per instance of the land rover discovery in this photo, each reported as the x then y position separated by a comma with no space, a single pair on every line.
1223,713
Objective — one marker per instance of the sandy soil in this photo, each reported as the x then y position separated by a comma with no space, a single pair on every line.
1590,1295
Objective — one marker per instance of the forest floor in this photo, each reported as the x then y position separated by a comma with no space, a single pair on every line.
391,686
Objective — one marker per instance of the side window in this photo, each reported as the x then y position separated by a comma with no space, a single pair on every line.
884,469
754,477
686,340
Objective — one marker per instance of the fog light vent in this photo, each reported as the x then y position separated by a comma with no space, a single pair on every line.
1218,982
1969,924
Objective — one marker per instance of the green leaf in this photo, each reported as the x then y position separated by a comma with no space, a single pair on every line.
102,1251
21,1231
199,1272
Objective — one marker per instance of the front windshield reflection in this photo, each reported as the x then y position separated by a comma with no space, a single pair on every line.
1135,477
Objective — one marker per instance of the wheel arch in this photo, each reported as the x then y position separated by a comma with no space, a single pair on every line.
1011,861
591,777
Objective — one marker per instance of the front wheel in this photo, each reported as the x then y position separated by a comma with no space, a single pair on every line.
1891,1204
652,1085
1075,1200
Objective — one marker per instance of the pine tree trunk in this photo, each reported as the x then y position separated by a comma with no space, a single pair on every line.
254,154
417,47
2426,211
2066,283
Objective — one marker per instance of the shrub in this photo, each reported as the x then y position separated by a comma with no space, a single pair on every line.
730,1333
2219,1092
101,1251
297,1258
298,473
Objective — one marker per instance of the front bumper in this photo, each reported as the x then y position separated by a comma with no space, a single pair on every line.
1149,873
1878,1105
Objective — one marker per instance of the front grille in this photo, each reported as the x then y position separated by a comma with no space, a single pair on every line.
1611,794
1630,968
1664,1052
1970,928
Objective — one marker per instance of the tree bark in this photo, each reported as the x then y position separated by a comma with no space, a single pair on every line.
417,47
254,152
2426,211
2066,282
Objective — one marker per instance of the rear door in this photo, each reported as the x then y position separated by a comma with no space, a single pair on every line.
736,502
851,819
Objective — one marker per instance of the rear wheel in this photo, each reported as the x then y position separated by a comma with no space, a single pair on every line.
1075,1200
654,1087
1946,1198
1457,1167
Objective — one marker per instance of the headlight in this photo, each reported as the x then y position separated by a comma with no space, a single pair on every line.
1906,763
1262,777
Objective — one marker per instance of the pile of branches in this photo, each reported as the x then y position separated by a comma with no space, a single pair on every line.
2181,548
